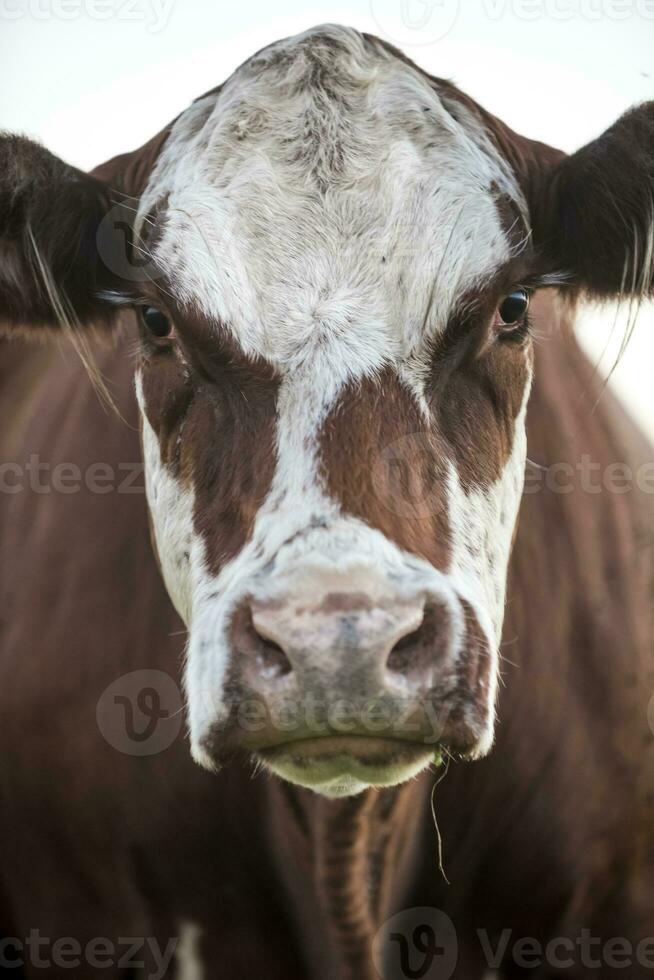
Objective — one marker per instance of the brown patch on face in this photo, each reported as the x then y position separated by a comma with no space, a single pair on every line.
230,458
476,408
213,410
387,465
477,385
384,464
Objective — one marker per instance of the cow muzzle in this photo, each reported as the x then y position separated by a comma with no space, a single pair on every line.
337,686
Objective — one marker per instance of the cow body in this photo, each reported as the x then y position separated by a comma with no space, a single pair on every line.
146,846
549,836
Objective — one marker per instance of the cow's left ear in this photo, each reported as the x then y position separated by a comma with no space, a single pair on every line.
594,216
61,254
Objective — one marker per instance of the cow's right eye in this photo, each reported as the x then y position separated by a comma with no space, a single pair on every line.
157,323
513,308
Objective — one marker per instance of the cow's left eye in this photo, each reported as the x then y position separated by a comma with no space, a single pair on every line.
513,309
157,323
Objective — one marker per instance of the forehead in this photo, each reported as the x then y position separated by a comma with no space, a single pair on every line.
327,190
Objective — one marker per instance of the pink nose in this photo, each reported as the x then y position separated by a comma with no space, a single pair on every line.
343,643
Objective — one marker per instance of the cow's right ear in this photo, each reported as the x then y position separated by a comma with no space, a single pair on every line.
61,254
594,210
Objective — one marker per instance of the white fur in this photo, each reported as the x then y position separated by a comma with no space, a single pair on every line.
481,525
179,548
253,237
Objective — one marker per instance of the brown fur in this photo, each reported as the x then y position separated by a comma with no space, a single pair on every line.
551,834
221,401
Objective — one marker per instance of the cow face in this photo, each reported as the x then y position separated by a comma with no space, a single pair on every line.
334,372
336,367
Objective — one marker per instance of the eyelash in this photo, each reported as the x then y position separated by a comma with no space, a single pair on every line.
517,333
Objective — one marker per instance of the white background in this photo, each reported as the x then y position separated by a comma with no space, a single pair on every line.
91,78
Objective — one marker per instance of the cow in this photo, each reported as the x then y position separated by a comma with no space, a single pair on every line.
313,306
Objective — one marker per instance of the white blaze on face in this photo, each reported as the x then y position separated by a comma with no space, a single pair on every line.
349,211
482,523
329,211
179,547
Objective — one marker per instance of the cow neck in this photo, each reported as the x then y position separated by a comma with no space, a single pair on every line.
356,859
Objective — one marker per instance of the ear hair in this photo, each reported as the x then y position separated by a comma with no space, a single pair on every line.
59,257
50,214
63,261
597,214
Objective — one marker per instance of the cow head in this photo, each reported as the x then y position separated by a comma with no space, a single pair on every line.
337,258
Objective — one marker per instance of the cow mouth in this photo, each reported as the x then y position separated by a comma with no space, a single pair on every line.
340,765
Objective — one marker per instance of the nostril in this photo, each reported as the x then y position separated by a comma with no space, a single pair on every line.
401,656
271,660
416,654
265,658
